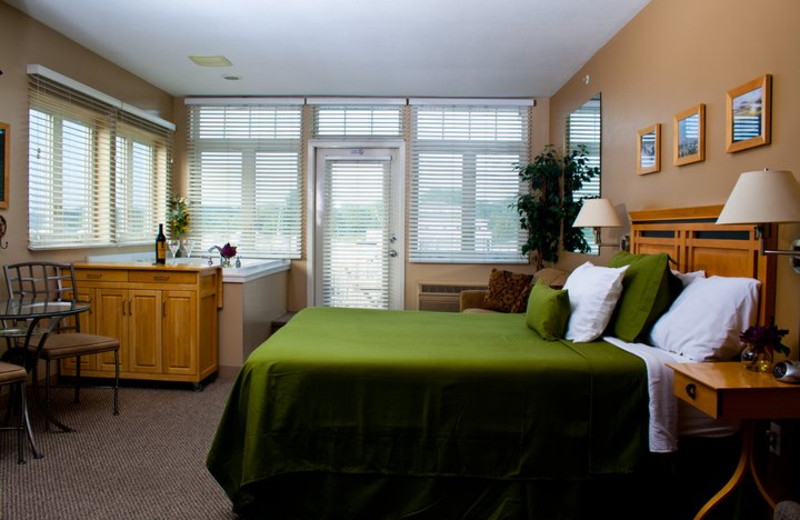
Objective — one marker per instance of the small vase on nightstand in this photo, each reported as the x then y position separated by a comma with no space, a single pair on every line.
758,357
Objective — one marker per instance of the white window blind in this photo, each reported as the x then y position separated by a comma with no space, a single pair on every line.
583,128
358,121
245,181
98,174
355,260
464,180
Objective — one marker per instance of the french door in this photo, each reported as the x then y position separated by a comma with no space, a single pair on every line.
359,237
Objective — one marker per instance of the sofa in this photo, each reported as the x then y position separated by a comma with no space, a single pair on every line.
472,301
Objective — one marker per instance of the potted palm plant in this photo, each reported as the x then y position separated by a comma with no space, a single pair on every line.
548,208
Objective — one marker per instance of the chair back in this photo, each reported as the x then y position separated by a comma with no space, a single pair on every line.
53,281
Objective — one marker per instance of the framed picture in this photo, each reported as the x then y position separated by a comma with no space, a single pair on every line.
648,150
689,132
747,109
5,146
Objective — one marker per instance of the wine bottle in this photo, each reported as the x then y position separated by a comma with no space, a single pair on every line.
161,246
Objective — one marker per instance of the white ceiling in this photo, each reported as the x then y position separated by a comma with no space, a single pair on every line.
437,48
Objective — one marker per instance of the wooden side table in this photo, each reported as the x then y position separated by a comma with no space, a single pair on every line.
730,391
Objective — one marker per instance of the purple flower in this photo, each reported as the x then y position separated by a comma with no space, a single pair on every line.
765,336
228,251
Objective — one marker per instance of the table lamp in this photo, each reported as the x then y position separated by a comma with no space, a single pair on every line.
597,214
763,197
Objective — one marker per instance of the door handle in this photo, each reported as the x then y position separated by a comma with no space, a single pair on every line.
392,253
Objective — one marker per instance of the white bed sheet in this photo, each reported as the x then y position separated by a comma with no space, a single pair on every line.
671,418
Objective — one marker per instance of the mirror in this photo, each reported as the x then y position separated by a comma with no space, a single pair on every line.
584,128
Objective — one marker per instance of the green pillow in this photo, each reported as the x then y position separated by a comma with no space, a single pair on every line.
647,292
548,311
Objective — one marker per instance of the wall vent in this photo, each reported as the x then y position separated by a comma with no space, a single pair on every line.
442,297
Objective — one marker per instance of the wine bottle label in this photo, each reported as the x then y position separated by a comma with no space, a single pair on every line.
161,252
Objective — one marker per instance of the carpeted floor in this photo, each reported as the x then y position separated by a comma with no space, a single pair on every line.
148,463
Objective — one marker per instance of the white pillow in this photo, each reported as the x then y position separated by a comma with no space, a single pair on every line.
687,278
593,293
704,322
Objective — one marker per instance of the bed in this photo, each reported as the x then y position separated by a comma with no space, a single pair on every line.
354,413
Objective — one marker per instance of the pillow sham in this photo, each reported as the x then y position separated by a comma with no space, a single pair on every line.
704,322
687,278
593,292
548,311
507,291
646,294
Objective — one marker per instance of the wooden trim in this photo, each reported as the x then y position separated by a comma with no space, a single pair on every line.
697,244
697,212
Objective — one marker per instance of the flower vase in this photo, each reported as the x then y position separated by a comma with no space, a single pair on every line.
225,262
757,357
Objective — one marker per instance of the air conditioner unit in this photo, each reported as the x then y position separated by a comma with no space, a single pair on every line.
442,297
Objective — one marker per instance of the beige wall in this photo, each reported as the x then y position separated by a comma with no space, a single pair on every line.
672,56
24,41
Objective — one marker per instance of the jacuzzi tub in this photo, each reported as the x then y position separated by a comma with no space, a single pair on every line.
251,268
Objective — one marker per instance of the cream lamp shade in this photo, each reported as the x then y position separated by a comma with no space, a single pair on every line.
597,213
763,197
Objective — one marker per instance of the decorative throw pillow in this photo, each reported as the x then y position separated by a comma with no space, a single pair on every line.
647,293
548,311
507,291
593,293
705,321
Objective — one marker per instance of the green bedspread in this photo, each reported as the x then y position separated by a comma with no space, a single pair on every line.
365,392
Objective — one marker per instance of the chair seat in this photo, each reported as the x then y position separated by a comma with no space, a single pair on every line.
10,373
76,344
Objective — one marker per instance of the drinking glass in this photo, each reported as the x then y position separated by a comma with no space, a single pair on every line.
188,246
173,245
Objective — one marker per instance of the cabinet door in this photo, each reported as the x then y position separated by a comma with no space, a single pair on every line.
180,332
111,319
144,325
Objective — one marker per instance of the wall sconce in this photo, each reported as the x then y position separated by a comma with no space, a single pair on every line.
762,197
597,214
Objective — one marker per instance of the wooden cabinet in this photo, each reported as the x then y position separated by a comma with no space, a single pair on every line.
165,318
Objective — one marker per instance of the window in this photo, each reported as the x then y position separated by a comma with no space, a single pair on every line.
357,120
464,180
98,170
583,128
245,177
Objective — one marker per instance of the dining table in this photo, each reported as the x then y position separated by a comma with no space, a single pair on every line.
25,320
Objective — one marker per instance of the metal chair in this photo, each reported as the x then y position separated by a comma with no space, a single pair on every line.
16,376
55,281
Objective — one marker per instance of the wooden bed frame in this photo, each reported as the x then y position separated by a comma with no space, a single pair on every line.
695,242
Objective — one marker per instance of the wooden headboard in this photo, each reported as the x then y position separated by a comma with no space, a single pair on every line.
695,242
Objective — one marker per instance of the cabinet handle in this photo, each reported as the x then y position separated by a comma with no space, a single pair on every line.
123,307
130,307
691,390
161,277
94,276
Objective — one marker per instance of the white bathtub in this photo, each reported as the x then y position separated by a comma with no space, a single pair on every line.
251,268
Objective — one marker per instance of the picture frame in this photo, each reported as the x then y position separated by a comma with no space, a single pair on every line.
689,130
5,147
748,114
648,149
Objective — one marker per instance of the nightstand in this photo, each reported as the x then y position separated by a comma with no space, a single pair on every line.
730,391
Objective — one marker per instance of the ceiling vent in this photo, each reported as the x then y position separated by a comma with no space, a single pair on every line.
211,61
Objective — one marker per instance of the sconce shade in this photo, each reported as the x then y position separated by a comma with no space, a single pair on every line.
597,213
762,197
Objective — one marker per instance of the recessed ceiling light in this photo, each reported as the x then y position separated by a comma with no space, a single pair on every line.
211,61
231,77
